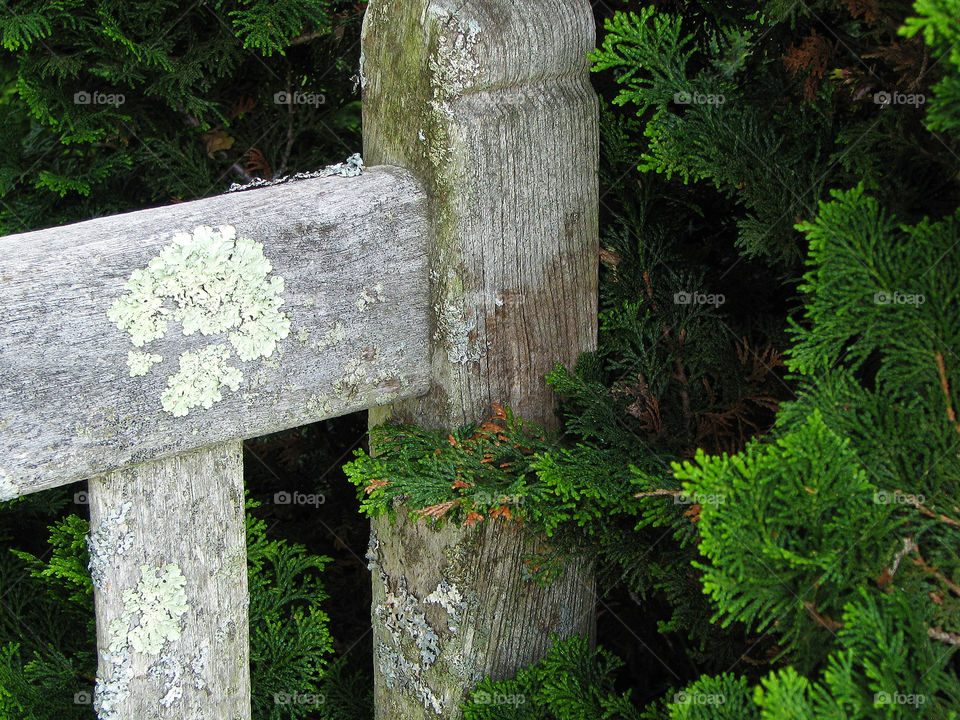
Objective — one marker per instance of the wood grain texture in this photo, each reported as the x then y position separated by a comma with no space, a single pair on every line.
188,512
489,104
352,253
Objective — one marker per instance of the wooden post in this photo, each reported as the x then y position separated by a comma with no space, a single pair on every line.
489,104
168,560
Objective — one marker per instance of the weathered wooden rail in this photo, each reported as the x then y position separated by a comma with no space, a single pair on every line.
139,350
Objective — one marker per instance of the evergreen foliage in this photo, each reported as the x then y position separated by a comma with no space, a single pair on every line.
741,98
570,683
110,106
822,554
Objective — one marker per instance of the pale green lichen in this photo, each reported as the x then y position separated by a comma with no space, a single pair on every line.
141,362
215,282
151,617
348,385
370,296
8,490
201,376
318,406
455,330
141,311
159,600
334,336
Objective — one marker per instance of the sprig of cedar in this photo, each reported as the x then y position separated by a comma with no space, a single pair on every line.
460,476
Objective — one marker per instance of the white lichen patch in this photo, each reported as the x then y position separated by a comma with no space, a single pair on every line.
317,405
334,336
8,490
448,596
454,330
109,542
141,362
154,607
454,67
400,673
400,614
201,376
113,687
151,617
198,663
167,671
348,385
210,282
303,335
370,296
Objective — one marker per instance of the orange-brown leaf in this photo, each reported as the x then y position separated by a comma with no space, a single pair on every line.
438,511
255,163
374,484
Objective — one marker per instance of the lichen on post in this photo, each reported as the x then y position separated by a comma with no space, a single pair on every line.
489,104
168,561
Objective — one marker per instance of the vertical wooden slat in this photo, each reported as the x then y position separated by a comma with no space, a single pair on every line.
168,559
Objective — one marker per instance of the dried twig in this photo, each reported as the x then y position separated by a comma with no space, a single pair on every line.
943,636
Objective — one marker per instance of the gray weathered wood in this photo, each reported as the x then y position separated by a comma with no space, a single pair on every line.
178,521
352,254
489,104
